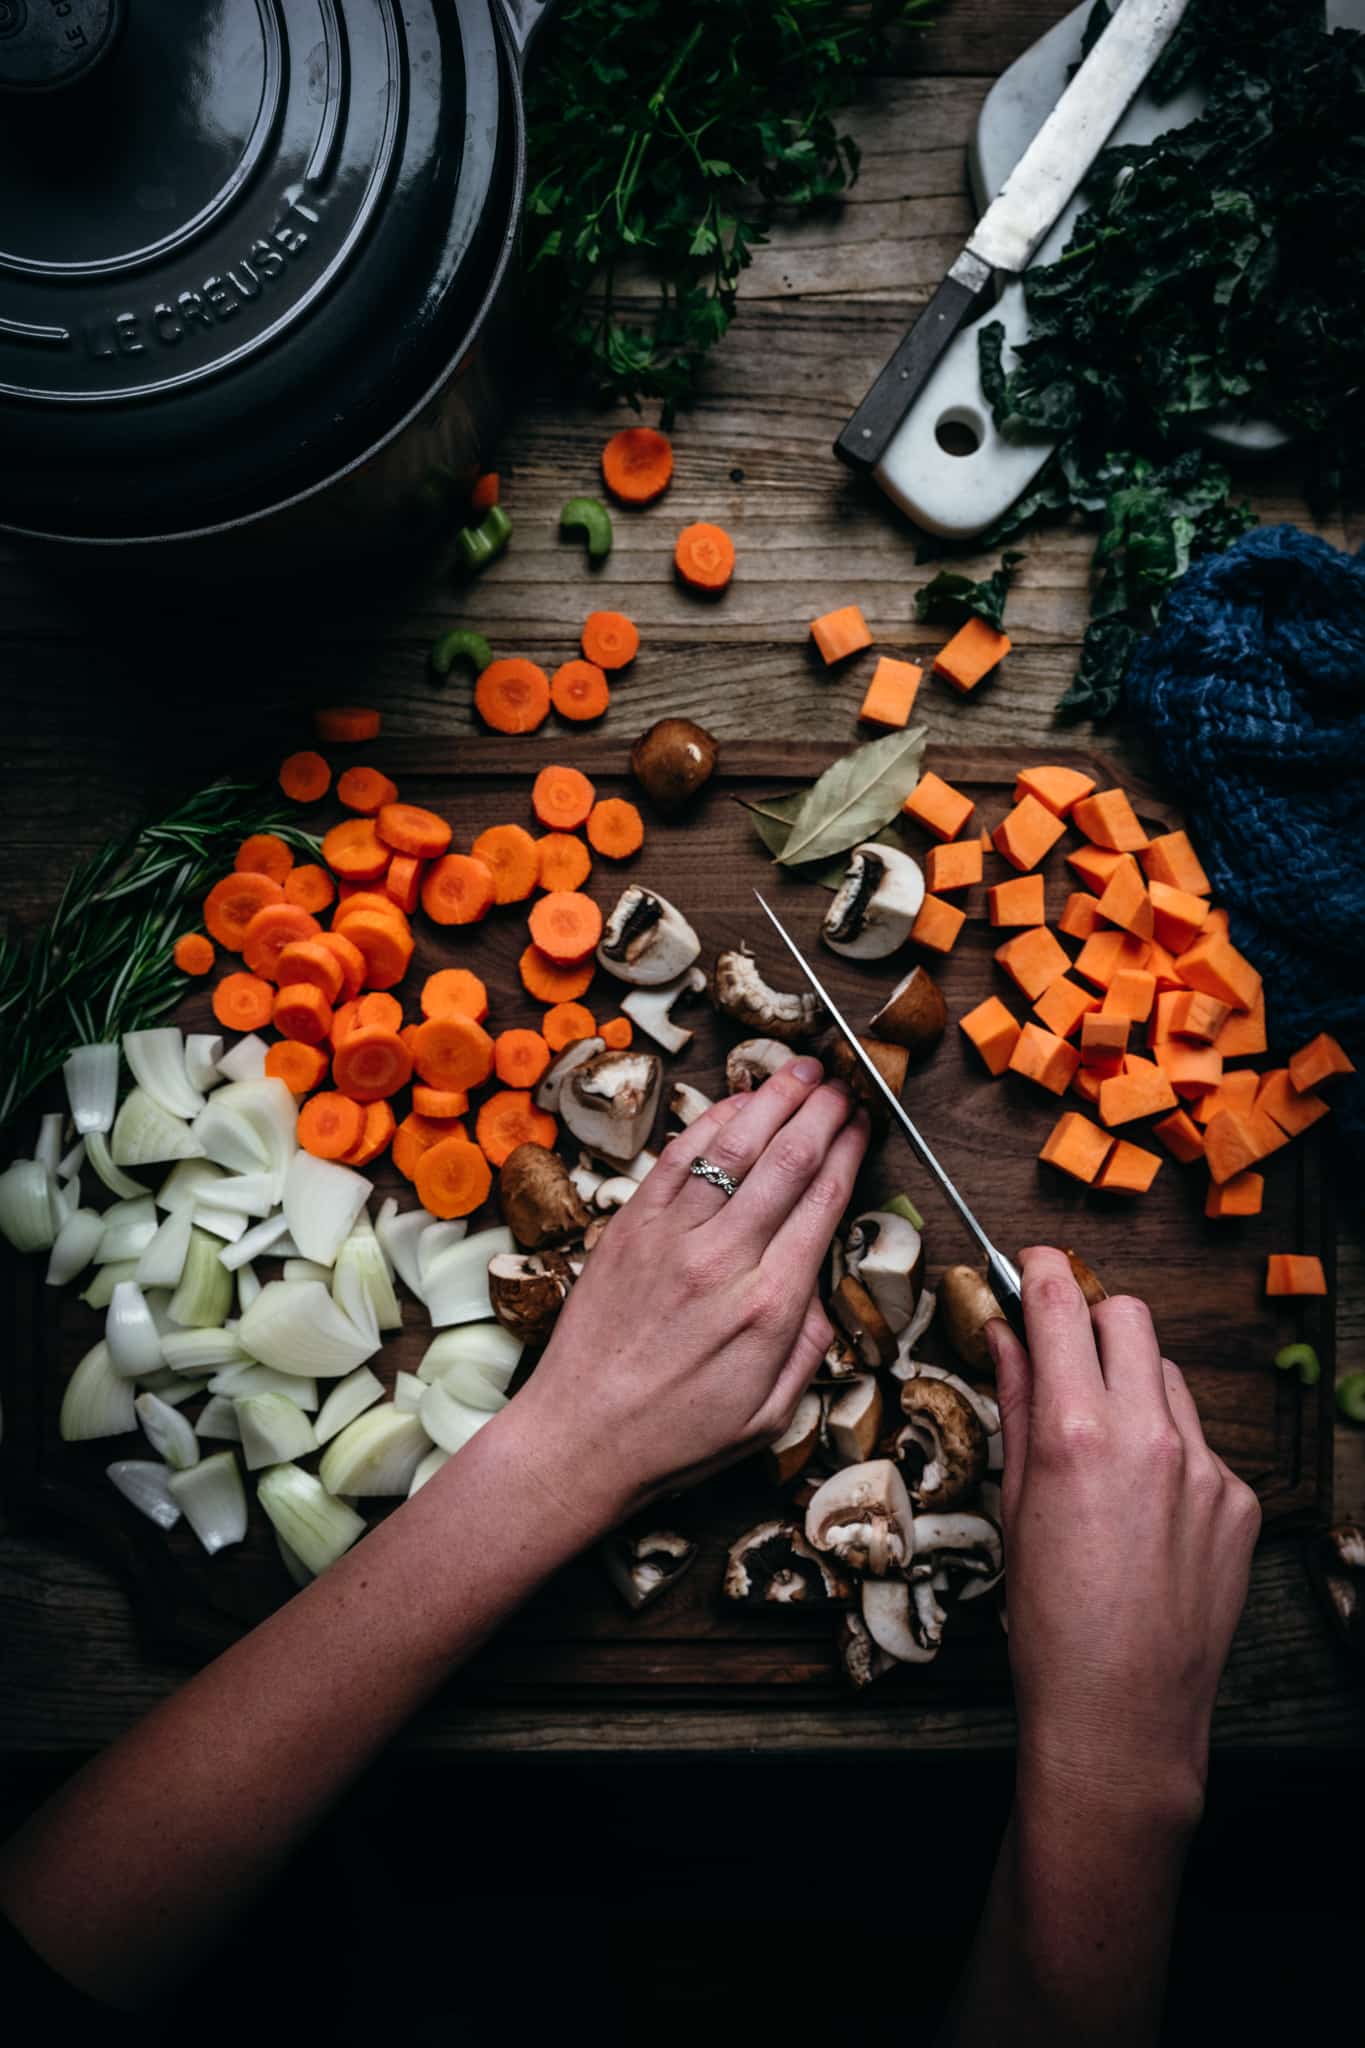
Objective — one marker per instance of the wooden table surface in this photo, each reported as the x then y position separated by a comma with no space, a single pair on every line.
113,700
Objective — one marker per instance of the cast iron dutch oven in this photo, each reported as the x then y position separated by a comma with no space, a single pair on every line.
252,259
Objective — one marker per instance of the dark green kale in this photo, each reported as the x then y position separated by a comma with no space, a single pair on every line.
955,598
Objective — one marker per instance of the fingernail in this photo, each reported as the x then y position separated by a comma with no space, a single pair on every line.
807,1072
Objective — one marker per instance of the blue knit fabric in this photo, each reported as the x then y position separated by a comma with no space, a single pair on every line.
1252,694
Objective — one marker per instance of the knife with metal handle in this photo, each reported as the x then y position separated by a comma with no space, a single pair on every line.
1010,231
1002,1273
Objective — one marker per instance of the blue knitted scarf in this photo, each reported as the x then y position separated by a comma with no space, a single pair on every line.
1252,695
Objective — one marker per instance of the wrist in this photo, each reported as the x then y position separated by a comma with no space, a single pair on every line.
1136,1788
570,1492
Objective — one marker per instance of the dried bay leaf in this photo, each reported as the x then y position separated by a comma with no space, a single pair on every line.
772,817
855,798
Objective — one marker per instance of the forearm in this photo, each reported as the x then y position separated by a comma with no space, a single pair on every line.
1074,1942
123,1880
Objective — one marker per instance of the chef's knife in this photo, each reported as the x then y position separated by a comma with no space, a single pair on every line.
1010,231
1002,1273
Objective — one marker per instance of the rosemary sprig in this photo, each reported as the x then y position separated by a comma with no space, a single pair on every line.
102,964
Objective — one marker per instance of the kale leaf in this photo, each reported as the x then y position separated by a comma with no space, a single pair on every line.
952,596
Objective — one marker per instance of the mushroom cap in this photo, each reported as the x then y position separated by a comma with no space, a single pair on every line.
967,1305
527,1291
672,760
557,1073
885,1254
646,940
686,1103
914,1014
961,1544
894,1621
860,1659
539,1202
946,1432
788,1457
609,1102
641,1567
751,1062
853,1419
773,1565
875,904
739,990
863,1516
858,1315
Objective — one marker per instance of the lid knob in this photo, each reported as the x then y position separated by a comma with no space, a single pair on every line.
45,44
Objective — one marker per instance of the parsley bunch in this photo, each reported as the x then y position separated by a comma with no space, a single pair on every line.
659,139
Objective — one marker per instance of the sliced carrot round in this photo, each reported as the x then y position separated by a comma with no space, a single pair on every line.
509,854
637,465
416,1135
264,853
520,1058
452,1178
371,1063
444,1104
270,931
305,777
510,1119
616,1034
563,861
349,959
311,960
454,992
355,850
403,882
329,1125
513,695
407,828
562,797
365,789
566,925
566,1023
452,1052
310,886
302,1011
375,1137
386,945
193,953
346,724
299,1066
232,903
704,557
609,639
243,1002
579,691
354,898
551,982
615,828
457,889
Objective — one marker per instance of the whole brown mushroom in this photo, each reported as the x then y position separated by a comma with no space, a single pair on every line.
539,1202
672,760
914,1014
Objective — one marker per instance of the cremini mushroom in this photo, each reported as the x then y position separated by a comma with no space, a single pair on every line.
774,1565
646,941
614,1193
942,1444
739,990
964,1546
651,1009
863,1516
527,1290
983,1405
891,1061
875,904
967,1304
539,1201
557,1073
853,1420
672,760
609,1102
641,1567
751,1062
797,1445
1087,1280
839,1364
861,1660
686,1103
862,1322
885,1253
901,1619
914,1014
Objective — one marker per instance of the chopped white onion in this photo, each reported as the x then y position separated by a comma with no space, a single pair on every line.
156,1059
435,1239
226,1224
376,1454
297,1327
246,1377
74,1246
321,1203
175,1388
428,1468
483,1349
115,1179
213,1500
144,1133
218,1418
293,1563
250,1128
448,1422
163,1262
203,1050
48,1150
204,1297
201,1350
362,1273
407,1392
261,1238
307,1269
248,1287
229,1137
400,1233
91,1076
314,1526
245,1061
347,1399
187,1184
27,1215
100,1292
146,1483
129,1228
249,1194
69,1167
274,1430
456,1288
96,1402
130,1333
168,1432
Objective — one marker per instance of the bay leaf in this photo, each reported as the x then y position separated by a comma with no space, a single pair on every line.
772,818
855,797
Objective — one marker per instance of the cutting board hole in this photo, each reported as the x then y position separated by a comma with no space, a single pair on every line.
960,432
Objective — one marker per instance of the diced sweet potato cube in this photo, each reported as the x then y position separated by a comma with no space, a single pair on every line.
1063,1005
1129,1169
1086,1082
1095,864
1170,858
1027,834
1166,969
1244,1035
1318,1061
1076,1146
1182,1138
840,633
1020,901
1078,920
1140,1090
891,694
1294,1273
1236,1139
993,1031
956,865
1240,1196
939,807
1235,1091
1163,1009
1131,994
937,925
1124,901
1195,1015
1058,788
1043,1057
1292,1109
971,654
1033,960
1214,965
1190,1069
1177,914
1104,1041
1109,819
1108,953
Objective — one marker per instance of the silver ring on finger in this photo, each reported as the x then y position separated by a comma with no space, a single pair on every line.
706,1169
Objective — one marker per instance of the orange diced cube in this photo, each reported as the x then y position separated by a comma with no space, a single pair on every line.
1235,1091
1027,833
1131,993
1240,1196
1244,1035
1195,1015
986,845
1294,1273
1163,1009
1033,960
939,807
1317,1061
1129,1170
1095,864
1109,819
1167,970
956,865
1017,902
1170,858
1104,1041
891,694
1076,1146
1125,901
971,654
1058,788
1190,1069
840,633
1182,1138
1292,1109
1085,1082
1078,919
993,1031
937,925
1177,914
1140,1090
1236,1138
1063,1005
1108,953
1214,965
1043,1057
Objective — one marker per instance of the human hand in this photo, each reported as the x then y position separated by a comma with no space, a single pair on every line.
697,1325
1128,1546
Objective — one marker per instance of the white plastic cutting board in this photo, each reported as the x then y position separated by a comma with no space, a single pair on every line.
959,495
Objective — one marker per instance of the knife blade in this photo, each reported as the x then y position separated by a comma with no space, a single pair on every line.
1009,233
1002,1273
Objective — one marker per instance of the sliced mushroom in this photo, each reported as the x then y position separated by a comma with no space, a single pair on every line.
615,1193
893,1618
942,1445
642,1567
863,1516
891,1061
539,1201
610,1101
965,1546
984,1405
853,1420
862,1322
914,1014
557,1073
794,1449
585,1177
527,1291
592,1236
646,941
752,1061
1089,1282
885,1254
876,903
686,1103
860,1659
774,1565
650,1008
839,1363
672,760
740,991
968,1305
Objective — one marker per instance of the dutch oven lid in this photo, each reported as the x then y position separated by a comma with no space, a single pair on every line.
238,241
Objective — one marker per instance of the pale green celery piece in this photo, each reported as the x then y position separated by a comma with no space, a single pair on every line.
1351,1396
1300,1358
901,1205
462,643
479,545
589,517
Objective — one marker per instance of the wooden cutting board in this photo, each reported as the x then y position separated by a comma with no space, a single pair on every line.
1204,1280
